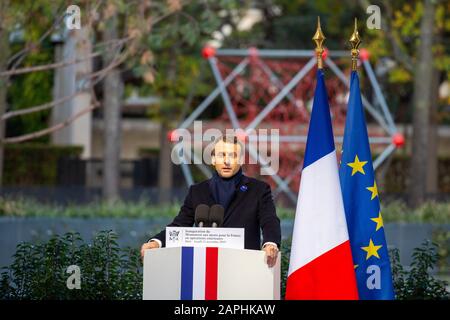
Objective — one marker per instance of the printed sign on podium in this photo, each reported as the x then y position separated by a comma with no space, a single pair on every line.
232,238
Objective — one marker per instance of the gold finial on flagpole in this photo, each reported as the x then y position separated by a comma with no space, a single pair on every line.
318,39
355,41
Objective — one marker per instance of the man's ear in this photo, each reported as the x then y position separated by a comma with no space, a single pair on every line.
213,160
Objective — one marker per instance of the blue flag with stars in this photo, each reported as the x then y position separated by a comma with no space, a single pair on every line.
362,205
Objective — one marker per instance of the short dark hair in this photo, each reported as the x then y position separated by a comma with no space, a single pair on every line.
229,138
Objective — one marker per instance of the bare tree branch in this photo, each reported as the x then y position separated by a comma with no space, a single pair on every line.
48,66
54,128
8,73
100,74
41,107
22,53
113,42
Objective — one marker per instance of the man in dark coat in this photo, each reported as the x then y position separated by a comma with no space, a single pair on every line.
247,201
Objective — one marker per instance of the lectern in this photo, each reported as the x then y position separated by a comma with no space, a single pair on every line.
209,273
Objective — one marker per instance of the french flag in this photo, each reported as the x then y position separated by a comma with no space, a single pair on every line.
199,267
320,266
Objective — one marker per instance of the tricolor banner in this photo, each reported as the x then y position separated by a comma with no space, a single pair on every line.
199,273
320,265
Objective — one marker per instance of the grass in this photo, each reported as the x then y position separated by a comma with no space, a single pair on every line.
140,209
396,211
431,212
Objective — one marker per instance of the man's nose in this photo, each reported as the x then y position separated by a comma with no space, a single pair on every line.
227,160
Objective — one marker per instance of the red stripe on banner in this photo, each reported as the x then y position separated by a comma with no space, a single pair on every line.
212,255
330,276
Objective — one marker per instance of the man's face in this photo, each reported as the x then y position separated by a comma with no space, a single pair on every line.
226,158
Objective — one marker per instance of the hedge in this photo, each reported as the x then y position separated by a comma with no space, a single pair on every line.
107,272
39,271
32,164
395,211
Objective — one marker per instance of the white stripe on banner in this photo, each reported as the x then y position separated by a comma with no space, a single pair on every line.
320,223
198,284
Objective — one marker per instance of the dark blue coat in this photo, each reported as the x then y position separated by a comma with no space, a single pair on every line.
251,207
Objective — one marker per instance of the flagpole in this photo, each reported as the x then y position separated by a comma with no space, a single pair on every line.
318,39
355,41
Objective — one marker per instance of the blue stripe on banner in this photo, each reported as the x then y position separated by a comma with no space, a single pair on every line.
320,134
187,272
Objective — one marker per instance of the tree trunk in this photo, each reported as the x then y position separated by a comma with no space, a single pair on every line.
433,147
433,163
67,81
423,77
165,162
4,55
165,166
112,101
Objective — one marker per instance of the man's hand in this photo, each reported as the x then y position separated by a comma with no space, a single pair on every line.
271,254
148,245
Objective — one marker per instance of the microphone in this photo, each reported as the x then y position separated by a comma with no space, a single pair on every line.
216,215
201,215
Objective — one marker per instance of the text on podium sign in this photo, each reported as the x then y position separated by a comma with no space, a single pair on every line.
205,237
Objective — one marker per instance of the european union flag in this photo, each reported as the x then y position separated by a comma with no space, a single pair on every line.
362,206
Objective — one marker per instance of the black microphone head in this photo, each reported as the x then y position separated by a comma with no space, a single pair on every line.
216,215
201,214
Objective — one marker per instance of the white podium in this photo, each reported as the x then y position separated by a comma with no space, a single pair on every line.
211,273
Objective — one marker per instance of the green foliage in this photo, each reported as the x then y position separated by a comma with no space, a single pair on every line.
405,23
171,66
442,238
418,283
120,209
32,19
282,20
396,211
175,90
107,271
32,163
430,212
285,251
29,90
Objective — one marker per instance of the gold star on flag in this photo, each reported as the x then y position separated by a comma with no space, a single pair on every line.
379,221
372,250
374,190
357,166
355,266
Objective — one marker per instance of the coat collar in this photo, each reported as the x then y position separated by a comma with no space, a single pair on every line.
244,181
240,192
